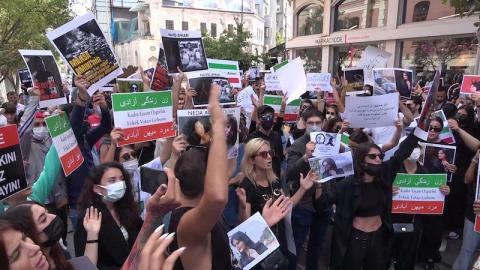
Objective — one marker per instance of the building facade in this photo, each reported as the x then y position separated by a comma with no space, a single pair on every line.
331,35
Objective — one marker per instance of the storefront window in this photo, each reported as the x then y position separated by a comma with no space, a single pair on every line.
455,55
312,58
360,14
349,56
428,10
310,20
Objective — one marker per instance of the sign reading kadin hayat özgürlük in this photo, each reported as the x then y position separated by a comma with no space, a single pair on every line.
12,173
143,116
419,194
291,111
65,142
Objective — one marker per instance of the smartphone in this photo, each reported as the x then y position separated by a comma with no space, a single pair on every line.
151,179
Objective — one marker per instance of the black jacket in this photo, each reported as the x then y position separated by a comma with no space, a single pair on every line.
346,195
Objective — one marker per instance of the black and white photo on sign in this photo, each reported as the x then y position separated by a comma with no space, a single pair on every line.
251,242
331,167
45,76
82,44
25,79
183,49
354,79
438,158
129,85
201,82
326,144
196,125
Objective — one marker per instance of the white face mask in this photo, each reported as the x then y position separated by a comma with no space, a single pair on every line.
40,133
415,155
115,191
130,166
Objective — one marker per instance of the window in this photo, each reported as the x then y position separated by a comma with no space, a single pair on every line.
169,24
420,11
203,27
310,20
230,28
185,26
312,58
267,32
428,10
213,30
359,14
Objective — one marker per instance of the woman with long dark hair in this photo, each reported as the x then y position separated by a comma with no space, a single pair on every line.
248,249
362,223
108,189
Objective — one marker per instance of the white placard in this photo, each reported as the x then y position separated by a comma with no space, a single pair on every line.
272,83
292,79
372,57
244,100
326,144
319,82
374,111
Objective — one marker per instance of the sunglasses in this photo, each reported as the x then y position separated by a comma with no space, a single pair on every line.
434,129
265,154
332,113
40,124
129,156
374,156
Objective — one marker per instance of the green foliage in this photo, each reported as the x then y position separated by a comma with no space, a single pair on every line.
231,45
464,7
430,53
23,25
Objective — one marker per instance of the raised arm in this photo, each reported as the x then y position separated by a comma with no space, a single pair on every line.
215,195
395,138
45,182
78,112
105,126
472,170
26,122
468,139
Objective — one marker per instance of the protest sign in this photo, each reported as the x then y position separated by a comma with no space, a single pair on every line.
428,108
65,142
291,111
201,82
326,144
129,85
244,99
319,82
419,194
83,46
446,135
279,65
438,158
477,198
470,84
183,49
45,75
143,116
109,86
354,80
251,242
372,57
390,80
334,166
188,118
253,73
228,69
12,172
147,72
292,79
25,79
374,111
161,80
272,83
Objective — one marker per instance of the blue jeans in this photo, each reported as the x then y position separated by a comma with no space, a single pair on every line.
304,221
470,243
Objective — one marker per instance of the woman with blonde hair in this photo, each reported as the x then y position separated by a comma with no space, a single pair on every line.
261,186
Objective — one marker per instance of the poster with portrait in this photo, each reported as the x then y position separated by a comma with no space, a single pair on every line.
45,75
331,167
201,82
326,144
372,57
196,126
438,158
423,122
251,242
129,85
161,80
229,69
25,79
390,80
183,49
470,84
83,46
354,80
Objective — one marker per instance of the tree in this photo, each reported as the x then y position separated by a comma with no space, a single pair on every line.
232,44
430,53
23,25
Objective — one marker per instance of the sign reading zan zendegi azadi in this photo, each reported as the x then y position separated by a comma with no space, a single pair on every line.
12,173
65,142
144,116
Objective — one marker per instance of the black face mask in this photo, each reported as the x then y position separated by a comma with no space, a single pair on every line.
373,169
54,231
266,122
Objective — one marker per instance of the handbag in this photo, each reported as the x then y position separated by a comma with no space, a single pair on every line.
404,227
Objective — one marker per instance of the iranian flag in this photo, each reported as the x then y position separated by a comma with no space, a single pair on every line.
291,111
419,194
143,116
228,69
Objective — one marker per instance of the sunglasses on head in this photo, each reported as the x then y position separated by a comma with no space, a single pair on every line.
129,156
374,156
435,129
265,154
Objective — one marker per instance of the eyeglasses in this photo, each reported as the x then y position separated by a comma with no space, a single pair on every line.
374,156
129,156
39,124
434,129
265,154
